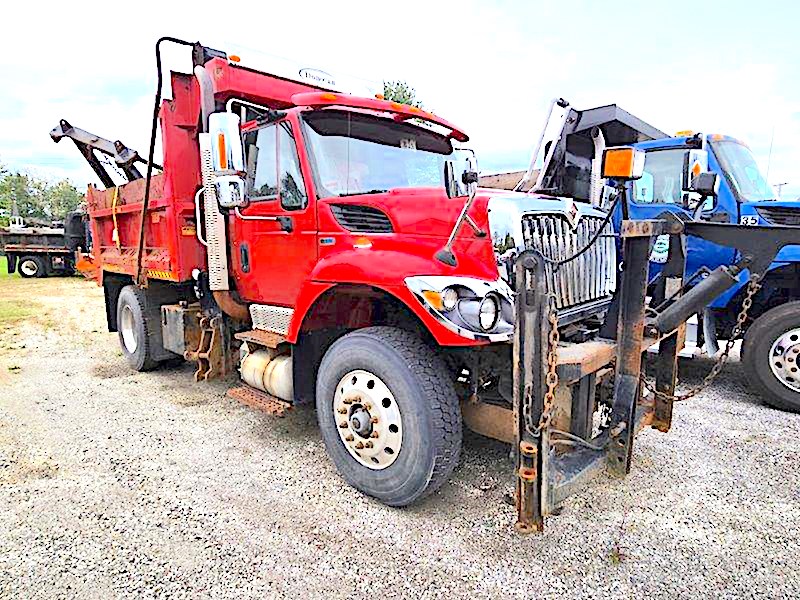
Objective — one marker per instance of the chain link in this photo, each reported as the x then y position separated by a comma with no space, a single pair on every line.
551,377
741,319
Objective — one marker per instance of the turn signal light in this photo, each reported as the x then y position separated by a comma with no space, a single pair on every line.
434,299
623,162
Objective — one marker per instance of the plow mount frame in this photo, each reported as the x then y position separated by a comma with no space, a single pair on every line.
555,461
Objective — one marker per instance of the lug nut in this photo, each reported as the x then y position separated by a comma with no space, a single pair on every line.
348,400
342,411
373,420
374,434
359,446
367,406
368,444
343,425
349,438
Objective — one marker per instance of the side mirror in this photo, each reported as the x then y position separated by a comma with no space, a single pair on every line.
227,156
705,184
703,195
461,178
695,162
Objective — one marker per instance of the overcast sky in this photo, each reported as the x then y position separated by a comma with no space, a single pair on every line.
490,67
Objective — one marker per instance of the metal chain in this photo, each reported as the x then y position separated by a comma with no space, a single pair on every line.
551,377
738,329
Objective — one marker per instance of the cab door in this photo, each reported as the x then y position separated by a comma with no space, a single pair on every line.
273,238
660,189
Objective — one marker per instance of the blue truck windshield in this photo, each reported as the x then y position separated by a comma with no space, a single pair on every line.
740,166
355,153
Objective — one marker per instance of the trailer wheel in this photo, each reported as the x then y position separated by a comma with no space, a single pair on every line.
133,330
389,414
31,266
771,356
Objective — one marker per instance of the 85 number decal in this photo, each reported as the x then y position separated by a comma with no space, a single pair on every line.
748,220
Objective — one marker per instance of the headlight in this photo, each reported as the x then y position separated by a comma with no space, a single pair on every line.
488,312
449,298
473,308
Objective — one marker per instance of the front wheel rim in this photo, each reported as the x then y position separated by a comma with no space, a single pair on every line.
128,328
783,359
368,419
29,267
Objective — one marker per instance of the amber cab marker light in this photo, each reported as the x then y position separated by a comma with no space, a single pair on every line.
234,58
624,162
223,152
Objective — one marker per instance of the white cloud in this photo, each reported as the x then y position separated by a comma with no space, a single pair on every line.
490,68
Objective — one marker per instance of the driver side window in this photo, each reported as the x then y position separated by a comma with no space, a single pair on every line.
661,182
273,167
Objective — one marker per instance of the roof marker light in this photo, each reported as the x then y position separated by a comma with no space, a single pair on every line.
328,97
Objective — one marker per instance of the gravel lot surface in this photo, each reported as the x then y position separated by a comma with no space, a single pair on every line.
119,484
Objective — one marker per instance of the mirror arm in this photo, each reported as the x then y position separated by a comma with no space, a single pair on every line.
478,231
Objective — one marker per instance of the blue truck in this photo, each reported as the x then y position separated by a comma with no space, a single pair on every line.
566,162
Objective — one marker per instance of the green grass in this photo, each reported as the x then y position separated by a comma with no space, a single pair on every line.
4,274
15,310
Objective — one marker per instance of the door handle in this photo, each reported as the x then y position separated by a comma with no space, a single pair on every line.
285,222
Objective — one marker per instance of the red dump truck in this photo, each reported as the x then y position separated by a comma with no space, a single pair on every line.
335,249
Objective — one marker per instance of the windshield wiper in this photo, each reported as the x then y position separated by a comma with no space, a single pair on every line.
363,193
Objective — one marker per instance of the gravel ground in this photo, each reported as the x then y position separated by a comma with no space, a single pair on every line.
119,484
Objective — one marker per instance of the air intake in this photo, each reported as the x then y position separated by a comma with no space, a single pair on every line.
780,215
361,219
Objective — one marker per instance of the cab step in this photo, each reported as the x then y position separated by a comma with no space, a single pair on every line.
267,339
260,400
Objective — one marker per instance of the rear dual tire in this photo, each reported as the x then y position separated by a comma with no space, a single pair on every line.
31,266
134,329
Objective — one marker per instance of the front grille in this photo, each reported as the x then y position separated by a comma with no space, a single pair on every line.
590,277
780,215
361,219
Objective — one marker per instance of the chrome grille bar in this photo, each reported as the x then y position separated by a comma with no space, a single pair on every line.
588,278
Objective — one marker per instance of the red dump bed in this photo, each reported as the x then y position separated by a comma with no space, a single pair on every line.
171,249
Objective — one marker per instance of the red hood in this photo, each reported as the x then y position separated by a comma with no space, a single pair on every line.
417,211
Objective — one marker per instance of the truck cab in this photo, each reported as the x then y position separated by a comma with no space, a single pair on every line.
742,197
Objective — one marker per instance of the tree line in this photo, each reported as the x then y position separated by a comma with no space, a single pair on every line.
37,200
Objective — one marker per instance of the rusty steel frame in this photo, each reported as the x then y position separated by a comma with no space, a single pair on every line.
545,472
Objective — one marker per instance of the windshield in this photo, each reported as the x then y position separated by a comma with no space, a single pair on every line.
354,153
740,166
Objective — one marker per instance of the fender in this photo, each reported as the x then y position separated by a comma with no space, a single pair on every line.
385,270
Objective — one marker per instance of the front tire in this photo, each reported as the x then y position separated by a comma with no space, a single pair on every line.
31,266
133,329
389,414
771,356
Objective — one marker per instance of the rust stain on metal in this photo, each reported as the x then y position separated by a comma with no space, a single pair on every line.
262,338
260,400
527,449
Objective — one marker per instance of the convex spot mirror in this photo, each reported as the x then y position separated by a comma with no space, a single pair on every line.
461,174
227,156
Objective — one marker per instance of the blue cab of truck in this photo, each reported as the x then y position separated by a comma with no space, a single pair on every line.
771,344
